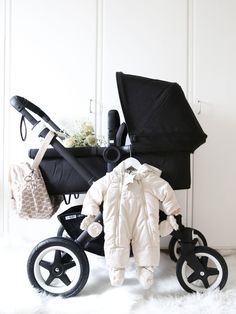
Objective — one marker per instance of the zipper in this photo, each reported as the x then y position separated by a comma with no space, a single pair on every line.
117,225
148,226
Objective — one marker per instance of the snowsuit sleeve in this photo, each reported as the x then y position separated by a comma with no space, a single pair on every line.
95,196
167,197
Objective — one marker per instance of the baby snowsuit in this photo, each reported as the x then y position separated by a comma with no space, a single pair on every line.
131,214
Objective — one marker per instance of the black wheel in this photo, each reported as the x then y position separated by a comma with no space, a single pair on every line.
207,270
61,232
58,266
175,246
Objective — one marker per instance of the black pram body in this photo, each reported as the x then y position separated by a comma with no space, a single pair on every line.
163,132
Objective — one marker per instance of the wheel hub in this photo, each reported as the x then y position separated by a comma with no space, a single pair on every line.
57,270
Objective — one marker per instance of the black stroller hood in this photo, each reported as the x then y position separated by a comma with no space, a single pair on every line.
158,116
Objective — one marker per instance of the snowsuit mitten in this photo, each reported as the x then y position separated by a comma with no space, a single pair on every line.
93,228
168,225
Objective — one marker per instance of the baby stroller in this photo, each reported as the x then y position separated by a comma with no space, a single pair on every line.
163,132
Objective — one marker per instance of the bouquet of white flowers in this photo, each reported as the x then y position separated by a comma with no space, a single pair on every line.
84,136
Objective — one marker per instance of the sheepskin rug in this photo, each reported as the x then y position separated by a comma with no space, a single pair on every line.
98,297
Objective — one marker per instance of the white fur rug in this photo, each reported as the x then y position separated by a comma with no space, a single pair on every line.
98,297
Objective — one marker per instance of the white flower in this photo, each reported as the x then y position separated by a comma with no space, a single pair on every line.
87,128
84,136
91,140
69,142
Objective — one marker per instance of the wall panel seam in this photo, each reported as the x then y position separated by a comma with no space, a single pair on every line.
190,85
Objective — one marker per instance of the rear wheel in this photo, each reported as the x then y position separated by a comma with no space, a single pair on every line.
175,245
58,266
206,270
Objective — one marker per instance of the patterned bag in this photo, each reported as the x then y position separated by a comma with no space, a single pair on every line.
29,193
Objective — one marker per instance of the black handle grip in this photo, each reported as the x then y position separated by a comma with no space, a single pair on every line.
113,125
20,103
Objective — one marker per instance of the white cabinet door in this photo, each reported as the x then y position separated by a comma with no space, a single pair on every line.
2,59
146,38
52,63
214,164
53,55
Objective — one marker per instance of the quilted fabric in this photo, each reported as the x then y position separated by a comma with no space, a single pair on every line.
29,193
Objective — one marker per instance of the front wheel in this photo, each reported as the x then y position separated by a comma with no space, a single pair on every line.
58,266
175,244
205,270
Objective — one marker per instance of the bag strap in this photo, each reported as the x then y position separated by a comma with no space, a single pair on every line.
42,150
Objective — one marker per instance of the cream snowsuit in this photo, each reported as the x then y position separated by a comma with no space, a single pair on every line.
131,213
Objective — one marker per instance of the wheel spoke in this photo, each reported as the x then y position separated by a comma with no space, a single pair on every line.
193,277
66,258
205,282
45,264
204,261
195,263
69,265
65,279
50,279
212,271
57,257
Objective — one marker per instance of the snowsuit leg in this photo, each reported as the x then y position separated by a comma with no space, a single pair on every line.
117,240
145,243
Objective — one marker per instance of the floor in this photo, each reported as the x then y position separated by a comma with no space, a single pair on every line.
166,296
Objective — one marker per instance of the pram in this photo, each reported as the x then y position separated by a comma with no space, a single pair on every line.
163,132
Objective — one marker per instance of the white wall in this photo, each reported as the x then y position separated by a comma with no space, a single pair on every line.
214,80
2,58
51,60
53,57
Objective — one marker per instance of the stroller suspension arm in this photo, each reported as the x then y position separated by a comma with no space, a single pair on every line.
84,237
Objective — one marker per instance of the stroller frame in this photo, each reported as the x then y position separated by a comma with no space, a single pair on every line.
188,247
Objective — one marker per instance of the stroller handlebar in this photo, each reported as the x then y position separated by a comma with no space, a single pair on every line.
20,103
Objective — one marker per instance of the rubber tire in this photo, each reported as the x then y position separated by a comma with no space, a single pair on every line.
174,240
207,250
69,245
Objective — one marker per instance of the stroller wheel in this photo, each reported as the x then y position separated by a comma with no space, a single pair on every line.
175,246
58,266
205,270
